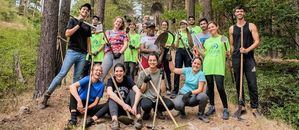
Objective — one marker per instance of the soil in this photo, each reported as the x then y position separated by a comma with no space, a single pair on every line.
57,114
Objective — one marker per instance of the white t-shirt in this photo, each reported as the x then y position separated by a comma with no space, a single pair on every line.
149,43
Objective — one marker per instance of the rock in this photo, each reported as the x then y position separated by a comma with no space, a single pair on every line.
24,110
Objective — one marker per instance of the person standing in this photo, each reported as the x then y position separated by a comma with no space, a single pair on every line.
131,52
199,39
251,41
183,55
116,46
193,28
79,45
214,67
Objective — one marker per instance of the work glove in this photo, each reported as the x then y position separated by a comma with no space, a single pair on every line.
131,47
186,97
147,79
95,53
117,55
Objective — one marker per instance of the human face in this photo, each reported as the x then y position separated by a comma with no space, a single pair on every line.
196,65
152,61
119,73
151,31
84,12
183,26
203,25
239,13
97,72
118,23
132,26
191,21
213,29
164,26
95,21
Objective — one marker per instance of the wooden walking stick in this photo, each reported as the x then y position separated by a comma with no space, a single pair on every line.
124,119
224,39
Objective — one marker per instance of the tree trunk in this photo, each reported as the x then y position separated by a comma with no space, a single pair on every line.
64,14
101,10
191,9
92,8
297,34
207,10
170,4
47,48
187,6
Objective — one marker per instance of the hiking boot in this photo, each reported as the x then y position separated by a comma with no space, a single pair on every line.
114,125
160,115
225,114
43,104
183,115
71,124
89,122
256,113
168,93
202,117
211,111
173,95
138,124
146,116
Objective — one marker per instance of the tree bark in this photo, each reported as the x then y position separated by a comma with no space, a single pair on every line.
92,8
170,4
187,6
207,10
191,9
64,14
47,48
101,10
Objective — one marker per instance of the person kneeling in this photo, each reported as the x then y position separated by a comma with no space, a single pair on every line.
78,96
130,94
149,97
191,94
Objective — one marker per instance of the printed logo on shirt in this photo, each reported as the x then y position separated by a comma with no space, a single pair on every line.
123,91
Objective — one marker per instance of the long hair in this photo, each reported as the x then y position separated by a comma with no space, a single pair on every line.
122,23
213,22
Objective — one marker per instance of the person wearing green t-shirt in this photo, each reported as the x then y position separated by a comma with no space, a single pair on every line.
132,51
167,53
97,45
183,55
193,28
216,50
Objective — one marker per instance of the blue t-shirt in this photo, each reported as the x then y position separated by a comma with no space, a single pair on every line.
96,89
191,80
200,38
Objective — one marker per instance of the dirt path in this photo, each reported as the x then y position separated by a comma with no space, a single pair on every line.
56,115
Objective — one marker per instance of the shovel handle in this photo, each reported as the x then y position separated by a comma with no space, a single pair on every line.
241,67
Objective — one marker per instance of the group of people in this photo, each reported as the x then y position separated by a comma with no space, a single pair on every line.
201,49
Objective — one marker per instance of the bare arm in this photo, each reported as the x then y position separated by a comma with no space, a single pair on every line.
143,49
255,36
88,45
231,41
200,87
175,70
137,95
70,32
74,91
95,102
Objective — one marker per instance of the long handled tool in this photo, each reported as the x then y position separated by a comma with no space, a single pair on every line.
156,106
186,48
124,119
237,114
168,111
84,22
88,92
224,39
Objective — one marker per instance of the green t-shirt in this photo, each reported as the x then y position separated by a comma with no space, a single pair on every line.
214,61
184,38
96,42
131,54
194,30
169,41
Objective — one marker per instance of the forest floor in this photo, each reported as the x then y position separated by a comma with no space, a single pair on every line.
57,114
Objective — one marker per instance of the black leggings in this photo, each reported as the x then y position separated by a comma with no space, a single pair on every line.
147,104
220,87
130,69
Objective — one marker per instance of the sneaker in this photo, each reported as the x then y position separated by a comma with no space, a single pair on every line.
114,125
146,116
44,104
89,122
211,111
225,114
256,113
138,124
173,95
71,124
203,118
168,93
160,115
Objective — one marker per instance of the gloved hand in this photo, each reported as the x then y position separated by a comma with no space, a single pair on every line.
147,79
131,47
186,97
108,44
117,55
95,53
80,22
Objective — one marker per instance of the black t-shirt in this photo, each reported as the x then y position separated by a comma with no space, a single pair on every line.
124,87
78,41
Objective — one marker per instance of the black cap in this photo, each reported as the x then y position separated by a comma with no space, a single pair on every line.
95,17
150,24
86,5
